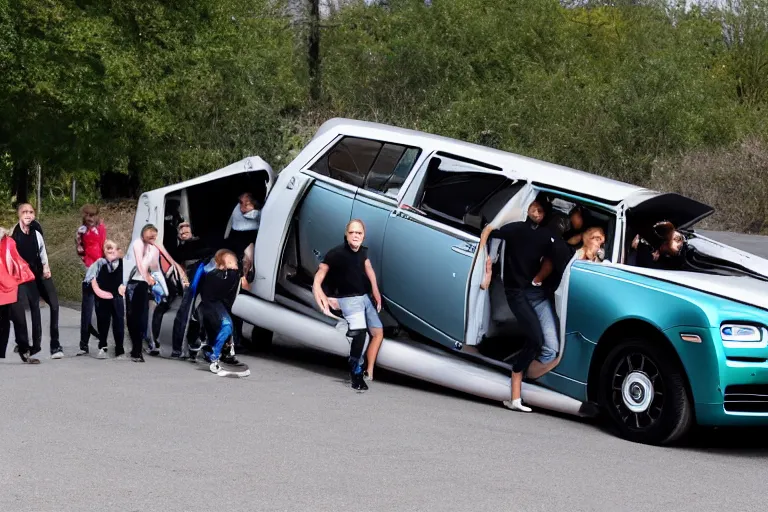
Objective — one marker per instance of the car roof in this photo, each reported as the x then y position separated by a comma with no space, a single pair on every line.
538,171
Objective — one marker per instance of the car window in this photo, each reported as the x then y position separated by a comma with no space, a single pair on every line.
460,198
391,168
349,160
376,166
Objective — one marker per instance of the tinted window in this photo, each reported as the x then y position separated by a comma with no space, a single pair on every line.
349,160
459,199
391,169
376,166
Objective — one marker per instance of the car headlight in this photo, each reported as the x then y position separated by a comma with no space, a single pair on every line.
737,335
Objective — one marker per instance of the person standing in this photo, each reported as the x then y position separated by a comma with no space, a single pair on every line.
105,276
31,247
349,277
89,242
14,271
527,264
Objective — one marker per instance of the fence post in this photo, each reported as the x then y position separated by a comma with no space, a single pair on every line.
74,190
39,189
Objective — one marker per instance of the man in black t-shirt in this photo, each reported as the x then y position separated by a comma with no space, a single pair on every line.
527,265
346,276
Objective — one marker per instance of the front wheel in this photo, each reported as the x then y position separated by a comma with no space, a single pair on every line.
642,388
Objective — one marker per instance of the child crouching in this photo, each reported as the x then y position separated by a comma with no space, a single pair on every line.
217,296
105,276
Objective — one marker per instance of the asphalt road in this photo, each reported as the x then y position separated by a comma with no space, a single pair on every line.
86,434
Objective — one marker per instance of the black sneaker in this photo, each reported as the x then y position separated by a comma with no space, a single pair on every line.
176,355
230,360
139,359
358,384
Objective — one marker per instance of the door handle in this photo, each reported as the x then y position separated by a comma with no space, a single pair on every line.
467,249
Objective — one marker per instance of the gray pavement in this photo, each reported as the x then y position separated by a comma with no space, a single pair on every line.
86,434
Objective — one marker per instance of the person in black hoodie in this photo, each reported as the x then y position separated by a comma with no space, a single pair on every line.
31,246
217,294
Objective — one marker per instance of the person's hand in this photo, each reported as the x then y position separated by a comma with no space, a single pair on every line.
322,301
377,298
635,241
334,303
151,280
535,283
488,274
121,290
655,255
46,272
184,280
103,295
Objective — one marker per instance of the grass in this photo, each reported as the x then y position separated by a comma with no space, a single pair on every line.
60,227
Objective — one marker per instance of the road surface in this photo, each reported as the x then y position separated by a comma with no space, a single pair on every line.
104,435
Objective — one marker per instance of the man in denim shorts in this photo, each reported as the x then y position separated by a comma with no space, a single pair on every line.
347,276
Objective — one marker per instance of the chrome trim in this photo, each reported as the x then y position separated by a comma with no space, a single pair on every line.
377,196
331,182
690,338
465,237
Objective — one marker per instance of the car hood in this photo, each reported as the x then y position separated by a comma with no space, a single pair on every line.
744,289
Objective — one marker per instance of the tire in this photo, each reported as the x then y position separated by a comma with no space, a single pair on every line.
261,339
643,392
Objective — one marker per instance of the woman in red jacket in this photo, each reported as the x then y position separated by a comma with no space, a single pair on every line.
13,272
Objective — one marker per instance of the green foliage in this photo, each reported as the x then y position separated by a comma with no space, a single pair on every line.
163,91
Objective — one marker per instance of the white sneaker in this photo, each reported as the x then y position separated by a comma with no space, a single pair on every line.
214,367
82,352
102,353
516,405
57,355
121,357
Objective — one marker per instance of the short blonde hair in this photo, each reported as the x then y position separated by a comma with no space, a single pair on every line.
218,258
589,231
110,244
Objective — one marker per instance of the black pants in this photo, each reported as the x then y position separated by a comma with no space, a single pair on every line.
529,322
13,313
157,319
86,314
137,308
111,310
33,291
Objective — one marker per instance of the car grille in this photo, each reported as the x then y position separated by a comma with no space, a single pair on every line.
746,398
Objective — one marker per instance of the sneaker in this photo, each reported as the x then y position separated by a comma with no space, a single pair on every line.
176,355
102,353
230,359
367,377
358,383
59,354
516,405
215,367
16,349
27,358
82,352
139,359
121,357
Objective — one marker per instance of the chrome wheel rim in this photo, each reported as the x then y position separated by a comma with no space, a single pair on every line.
637,391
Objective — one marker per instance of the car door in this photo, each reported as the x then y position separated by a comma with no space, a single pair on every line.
327,206
378,196
429,246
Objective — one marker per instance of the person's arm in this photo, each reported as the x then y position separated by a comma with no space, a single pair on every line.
488,274
43,256
317,288
374,286
179,268
544,271
101,293
79,242
139,257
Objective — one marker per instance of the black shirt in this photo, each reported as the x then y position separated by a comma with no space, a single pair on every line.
526,245
346,276
29,249
220,286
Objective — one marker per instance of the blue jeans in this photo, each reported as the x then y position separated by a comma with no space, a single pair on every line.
542,305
